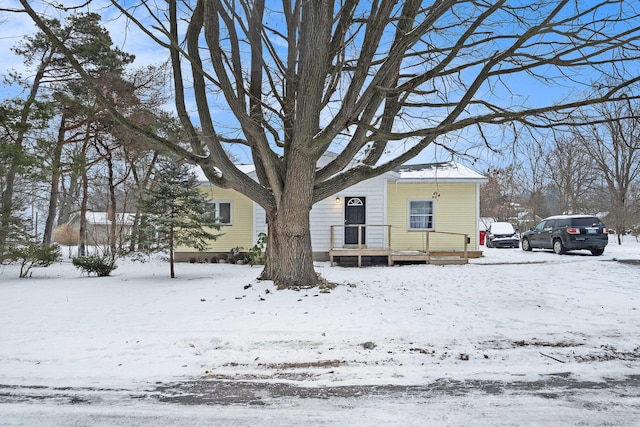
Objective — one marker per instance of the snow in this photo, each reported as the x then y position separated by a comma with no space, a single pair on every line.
440,172
508,316
502,228
103,218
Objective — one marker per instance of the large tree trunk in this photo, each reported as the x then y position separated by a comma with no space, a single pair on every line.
56,172
289,261
289,255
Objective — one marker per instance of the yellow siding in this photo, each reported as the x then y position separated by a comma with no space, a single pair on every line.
455,212
240,232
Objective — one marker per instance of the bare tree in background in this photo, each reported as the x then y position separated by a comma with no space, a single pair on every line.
499,196
374,81
572,174
530,174
613,143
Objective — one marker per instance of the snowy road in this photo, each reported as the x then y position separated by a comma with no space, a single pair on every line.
556,399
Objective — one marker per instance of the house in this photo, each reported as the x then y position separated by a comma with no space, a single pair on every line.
410,214
98,228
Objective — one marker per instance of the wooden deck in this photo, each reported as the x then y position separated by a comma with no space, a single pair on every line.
361,251
395,257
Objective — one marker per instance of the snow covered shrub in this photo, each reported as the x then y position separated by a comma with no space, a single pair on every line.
33,254
101,266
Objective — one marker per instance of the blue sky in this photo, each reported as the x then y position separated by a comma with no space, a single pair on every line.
16,26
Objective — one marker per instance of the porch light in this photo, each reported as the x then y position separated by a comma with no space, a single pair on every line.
337,200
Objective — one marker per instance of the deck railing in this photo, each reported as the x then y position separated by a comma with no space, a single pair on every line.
464,244
374,236
377,244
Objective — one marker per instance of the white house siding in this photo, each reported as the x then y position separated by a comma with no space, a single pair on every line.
259,221
327,212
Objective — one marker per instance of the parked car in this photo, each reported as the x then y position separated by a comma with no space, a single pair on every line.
502,235
567,233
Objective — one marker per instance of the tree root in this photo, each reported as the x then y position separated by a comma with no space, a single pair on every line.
321,283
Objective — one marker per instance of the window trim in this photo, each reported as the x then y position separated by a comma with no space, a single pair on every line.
433,214
216,205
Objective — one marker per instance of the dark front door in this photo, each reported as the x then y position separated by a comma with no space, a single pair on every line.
354,214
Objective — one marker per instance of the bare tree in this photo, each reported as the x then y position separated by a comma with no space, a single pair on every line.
614,146
498,197
374,81
531,150
572,174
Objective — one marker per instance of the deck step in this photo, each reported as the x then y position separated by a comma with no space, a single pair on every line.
444,258
447,260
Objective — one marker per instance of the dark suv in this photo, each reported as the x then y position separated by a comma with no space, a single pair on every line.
566,233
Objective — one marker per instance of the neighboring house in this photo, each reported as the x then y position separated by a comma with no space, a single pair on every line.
100,224
526,219
400,212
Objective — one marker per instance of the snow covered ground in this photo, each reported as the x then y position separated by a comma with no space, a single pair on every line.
509,317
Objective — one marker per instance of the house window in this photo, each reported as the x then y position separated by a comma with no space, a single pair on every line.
221,211
421,214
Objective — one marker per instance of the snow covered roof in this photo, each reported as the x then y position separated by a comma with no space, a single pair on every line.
247,169
98,218
444,171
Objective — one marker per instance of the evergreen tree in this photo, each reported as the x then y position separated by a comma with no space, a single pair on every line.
18,166
176,211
